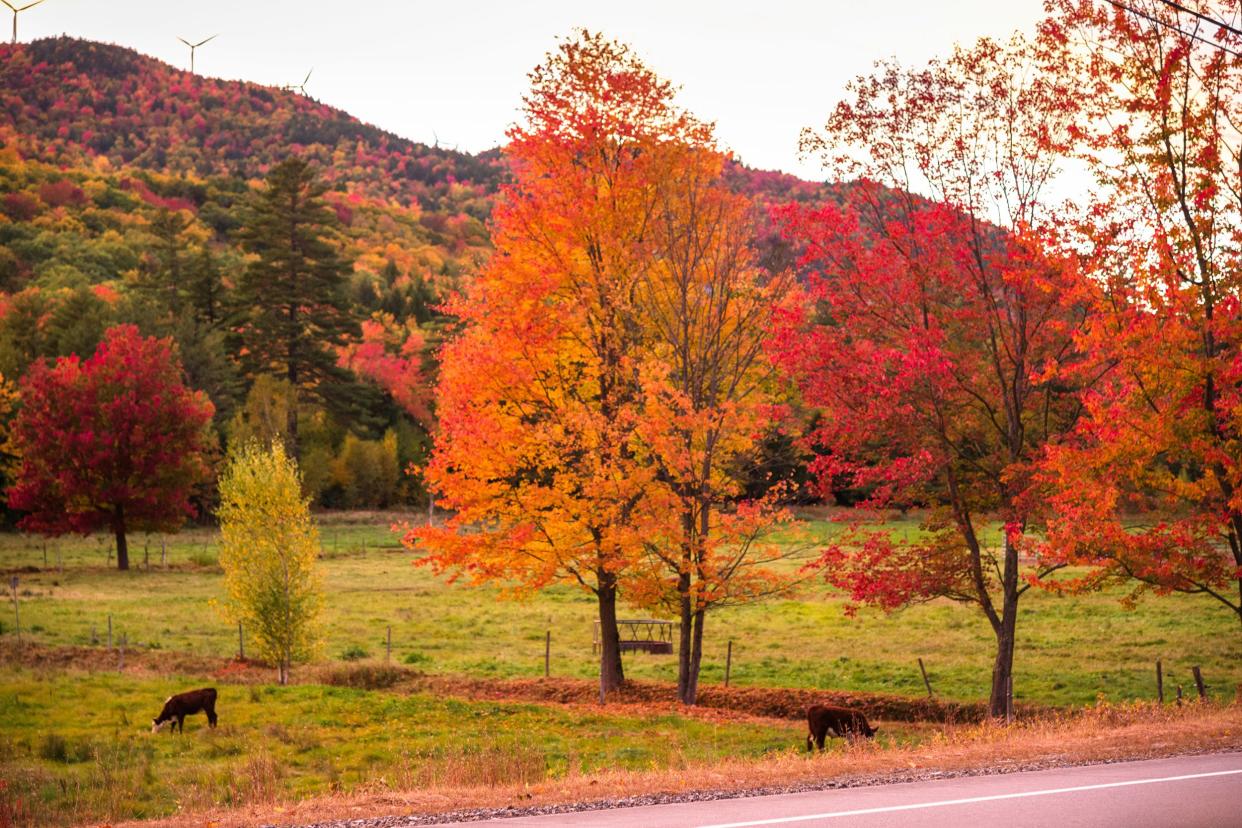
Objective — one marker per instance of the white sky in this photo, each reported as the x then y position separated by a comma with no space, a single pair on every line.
761,69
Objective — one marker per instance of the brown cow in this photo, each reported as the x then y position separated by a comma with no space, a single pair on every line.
850,724
177,707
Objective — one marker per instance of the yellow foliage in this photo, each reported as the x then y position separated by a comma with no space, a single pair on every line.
269,545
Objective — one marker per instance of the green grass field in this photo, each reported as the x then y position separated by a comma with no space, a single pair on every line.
77,746
99,762
1070,649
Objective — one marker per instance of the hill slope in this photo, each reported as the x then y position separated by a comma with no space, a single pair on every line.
102,144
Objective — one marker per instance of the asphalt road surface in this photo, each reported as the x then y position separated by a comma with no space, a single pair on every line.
1186,792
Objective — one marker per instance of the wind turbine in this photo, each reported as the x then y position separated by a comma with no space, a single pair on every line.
15,10
192,46
300,87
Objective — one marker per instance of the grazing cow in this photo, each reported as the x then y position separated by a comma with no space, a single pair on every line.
177,707
850,724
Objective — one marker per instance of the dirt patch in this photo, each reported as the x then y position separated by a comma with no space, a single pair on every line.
766,702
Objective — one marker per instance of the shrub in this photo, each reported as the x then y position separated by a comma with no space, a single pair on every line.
354,652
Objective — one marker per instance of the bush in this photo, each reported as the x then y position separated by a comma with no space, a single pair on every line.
354,652
415,658
204,557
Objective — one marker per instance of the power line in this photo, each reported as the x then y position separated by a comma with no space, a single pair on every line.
1203,17
1178,29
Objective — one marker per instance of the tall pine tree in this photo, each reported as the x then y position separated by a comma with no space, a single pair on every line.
294,293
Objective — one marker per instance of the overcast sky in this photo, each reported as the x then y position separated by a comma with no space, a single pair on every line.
761,69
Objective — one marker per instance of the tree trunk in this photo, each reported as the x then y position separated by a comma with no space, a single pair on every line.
696,660
612,674
1002,669
1002,672
685,638
291,418
122,546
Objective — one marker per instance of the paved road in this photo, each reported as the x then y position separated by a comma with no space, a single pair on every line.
1188,792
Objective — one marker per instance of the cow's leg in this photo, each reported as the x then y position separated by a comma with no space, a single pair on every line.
211,717
181,723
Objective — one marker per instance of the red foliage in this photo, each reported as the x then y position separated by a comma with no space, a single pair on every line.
20,206
114,442
61,193
391,356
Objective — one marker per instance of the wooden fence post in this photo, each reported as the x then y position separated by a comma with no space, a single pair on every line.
602,695
109,631
17,618
1159,682
163,552
927,683
547,654
388,646
1199,683
241,643
728,662
1179,695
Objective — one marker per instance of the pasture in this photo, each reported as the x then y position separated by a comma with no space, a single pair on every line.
1071,649
73,736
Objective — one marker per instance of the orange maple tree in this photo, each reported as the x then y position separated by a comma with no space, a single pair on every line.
709,392
539,396
610,381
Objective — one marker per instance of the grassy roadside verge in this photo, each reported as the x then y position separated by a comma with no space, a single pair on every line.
1103,733
75,747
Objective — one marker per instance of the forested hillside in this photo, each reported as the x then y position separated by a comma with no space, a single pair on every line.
125,186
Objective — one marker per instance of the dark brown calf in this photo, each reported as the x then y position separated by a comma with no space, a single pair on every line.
177,707
849,724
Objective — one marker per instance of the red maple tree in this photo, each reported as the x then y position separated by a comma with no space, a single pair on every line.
115,442
936,322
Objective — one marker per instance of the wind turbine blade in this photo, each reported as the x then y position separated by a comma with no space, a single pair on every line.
201,42
28,5
308,74
182,39
10,5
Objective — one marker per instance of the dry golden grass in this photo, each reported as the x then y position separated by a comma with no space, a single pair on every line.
1104,732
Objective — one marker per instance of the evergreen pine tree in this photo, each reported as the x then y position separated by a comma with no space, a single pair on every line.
294,294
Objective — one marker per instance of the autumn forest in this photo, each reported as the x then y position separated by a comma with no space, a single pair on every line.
610,355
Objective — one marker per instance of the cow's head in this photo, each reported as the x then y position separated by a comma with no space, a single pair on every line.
156,724
870,732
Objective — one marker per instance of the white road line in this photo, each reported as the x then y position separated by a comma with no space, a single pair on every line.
1047,792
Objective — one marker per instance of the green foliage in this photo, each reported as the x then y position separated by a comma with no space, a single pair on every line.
295,288
354,652
268,549
264,417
